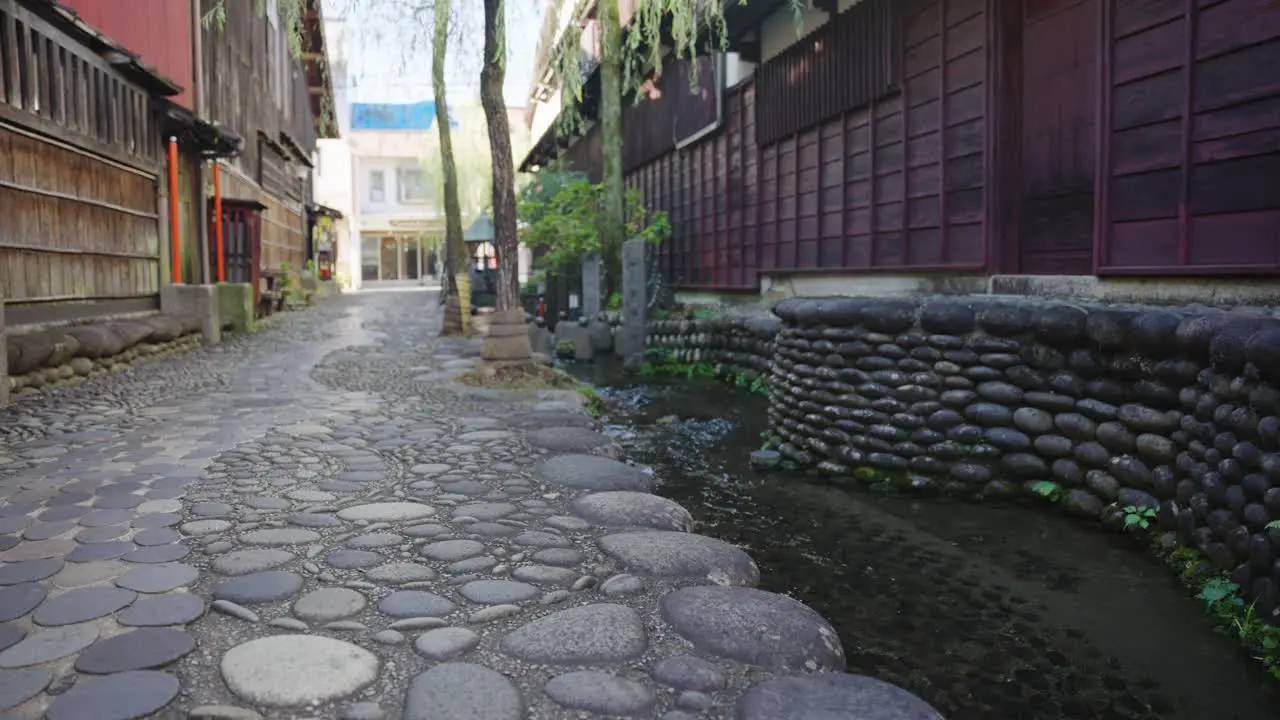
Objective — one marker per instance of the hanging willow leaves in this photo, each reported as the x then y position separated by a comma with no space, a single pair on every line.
692,24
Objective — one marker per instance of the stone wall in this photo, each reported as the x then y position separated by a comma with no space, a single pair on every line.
66,355
1171,409
739,344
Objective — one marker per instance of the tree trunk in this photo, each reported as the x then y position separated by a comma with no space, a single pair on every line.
504,189
612,223
508,339
457,307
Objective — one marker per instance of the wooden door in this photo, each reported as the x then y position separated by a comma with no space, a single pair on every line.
1059,82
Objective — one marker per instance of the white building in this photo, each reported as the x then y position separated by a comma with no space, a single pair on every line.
383,176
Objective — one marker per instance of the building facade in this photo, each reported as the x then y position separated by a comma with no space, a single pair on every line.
92,93
963,144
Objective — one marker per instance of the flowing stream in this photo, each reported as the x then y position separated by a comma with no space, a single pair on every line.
987,611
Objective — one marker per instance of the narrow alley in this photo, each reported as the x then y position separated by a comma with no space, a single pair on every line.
317,521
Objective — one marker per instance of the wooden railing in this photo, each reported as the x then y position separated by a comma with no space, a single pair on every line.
55,85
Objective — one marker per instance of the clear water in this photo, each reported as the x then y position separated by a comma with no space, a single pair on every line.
986,611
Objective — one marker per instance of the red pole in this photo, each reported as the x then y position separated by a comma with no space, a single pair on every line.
217,220
175,239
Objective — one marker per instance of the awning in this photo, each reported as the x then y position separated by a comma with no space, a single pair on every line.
200,136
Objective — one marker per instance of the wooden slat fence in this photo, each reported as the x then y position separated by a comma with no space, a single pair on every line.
79,154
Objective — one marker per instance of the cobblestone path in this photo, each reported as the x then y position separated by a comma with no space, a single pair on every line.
317,522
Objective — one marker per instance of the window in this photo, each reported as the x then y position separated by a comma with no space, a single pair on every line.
377,186
412,185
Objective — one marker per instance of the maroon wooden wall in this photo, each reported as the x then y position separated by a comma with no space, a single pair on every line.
1034,136
894,184
1191,132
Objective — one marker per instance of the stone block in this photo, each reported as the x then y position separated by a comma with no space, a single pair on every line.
198,302
235,306
4,360
591,302
634,303
508,340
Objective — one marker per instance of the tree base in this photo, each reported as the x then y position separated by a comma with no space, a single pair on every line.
452,326
508,339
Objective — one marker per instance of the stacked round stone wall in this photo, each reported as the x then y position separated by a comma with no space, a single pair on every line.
1171,409
64,356
739,345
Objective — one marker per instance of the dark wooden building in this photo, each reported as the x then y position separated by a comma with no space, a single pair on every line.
81,167
1070,137
91,90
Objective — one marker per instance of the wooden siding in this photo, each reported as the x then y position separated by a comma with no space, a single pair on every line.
78,163
652,128
898,185
158,31
242,96
846,64
1191,136
283,228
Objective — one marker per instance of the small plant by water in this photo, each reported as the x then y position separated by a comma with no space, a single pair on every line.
1050,491
1140,517
595,404
1222,600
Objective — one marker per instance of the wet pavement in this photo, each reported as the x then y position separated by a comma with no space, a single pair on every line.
318,521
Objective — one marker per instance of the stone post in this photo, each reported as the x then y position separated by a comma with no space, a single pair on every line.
198,301
634,303
591,305
4,360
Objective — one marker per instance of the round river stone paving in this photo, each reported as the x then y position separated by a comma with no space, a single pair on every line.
462,691
81,604
498,592
157,536
568,439
20,685
157,610
102,518
452,550
29,570
122,696
579,636
157,520
857,696
600,692
280,536
51,644
593,473
353,559
446,643
259,587
661,553
137,650
158,554
328,604
397,573
387,512
622,508
485,511
243,562
297,670
415,603
10,633
100,551
726,622
18,600
158,578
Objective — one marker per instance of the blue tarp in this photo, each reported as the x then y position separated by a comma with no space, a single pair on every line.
395,116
